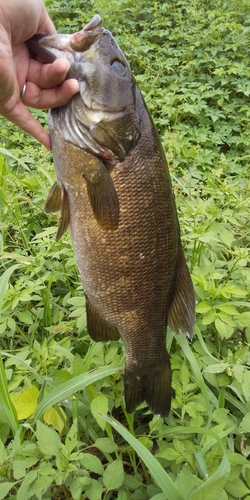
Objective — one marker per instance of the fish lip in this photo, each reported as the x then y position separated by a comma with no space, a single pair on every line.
45,45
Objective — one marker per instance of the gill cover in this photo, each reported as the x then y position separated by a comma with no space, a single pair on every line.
101,120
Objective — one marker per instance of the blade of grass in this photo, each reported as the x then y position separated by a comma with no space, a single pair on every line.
182,341
202,343
156,470
8,411
70,387
7,408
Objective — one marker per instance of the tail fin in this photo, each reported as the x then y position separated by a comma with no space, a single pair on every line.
154,388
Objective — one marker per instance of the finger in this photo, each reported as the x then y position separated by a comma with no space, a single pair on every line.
48,75
21,117
45,24
50,98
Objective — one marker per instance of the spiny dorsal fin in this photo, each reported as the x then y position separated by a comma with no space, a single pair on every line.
181,315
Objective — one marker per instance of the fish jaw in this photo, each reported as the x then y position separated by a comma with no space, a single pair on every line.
92,45
101,122
51,47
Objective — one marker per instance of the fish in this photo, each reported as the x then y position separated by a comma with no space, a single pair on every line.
114,191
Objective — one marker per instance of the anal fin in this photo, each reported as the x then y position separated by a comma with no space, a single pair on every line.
99,328
181,315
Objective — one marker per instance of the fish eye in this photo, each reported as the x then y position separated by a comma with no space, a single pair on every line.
119,67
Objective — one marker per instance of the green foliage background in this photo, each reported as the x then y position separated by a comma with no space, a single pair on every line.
64,430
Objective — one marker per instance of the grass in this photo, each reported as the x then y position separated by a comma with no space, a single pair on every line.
64,429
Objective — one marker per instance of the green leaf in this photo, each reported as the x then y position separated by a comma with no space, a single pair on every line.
106,445
123,496
114,475
92,463
25,402
47,439
203,307
71,440
168,453
235,290
184,374
237,488
95,491
99,405
5,488
4,282
246,384
228,309
40,486
208,318
212,491
76,489
23,492
185,482
56,417
216,368
244,319
244,426
25,317
238,371
78,312
225,330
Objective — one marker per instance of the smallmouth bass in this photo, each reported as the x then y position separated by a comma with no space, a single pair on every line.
114,191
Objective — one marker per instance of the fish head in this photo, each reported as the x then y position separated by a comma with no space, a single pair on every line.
105,108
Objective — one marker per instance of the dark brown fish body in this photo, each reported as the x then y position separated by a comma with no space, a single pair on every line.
125,234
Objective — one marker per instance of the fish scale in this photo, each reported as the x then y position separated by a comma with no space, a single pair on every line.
121,211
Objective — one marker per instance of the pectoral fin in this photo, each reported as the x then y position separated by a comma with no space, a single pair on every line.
54,199
181,315
99,329
64,219
103,197
58,200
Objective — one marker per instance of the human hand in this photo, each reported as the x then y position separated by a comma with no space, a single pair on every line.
45,85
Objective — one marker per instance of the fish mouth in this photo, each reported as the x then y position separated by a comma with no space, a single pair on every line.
47,48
